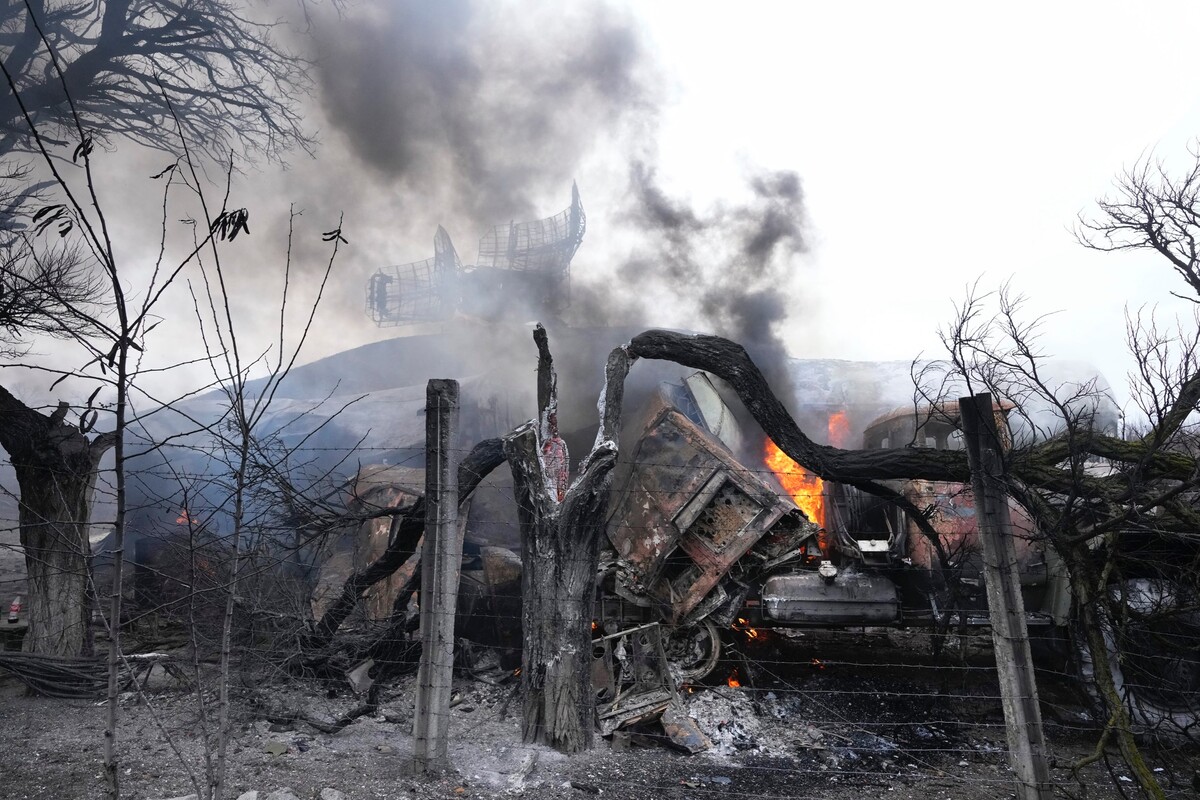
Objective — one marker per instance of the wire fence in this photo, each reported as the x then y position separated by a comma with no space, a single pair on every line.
783,712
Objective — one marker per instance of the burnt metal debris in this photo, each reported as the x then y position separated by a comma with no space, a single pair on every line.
522,267
705,541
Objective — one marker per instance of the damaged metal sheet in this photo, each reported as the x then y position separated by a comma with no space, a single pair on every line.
694,523
374,487
630,675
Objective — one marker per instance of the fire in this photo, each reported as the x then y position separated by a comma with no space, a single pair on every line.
733,681
805,488
184,517
743,626
839,429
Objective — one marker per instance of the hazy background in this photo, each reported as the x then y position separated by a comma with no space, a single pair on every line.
819,180
824,178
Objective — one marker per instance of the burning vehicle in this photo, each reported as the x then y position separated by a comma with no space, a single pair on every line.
702,542
714,535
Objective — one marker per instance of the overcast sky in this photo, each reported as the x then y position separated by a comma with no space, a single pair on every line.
937,143
900,152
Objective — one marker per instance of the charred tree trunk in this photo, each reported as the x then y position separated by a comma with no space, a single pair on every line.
561,528
56,466
1093,620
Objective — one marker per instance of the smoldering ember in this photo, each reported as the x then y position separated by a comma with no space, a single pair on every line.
533,524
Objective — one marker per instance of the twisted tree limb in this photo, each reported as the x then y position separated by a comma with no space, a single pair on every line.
406,530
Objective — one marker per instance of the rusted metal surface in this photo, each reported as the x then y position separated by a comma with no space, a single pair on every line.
631,678
683,732
693,517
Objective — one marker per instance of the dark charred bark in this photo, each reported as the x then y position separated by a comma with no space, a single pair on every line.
1089,586
732,363
405,532
1131,490
560,559
56,466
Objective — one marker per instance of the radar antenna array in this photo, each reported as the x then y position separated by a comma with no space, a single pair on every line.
533,258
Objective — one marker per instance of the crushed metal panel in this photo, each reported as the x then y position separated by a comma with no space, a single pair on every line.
720,513
690,512
631,678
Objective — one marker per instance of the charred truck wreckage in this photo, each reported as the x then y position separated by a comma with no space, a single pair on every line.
712,530
712,533
700,543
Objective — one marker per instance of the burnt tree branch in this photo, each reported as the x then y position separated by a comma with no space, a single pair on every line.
406,530
1040,465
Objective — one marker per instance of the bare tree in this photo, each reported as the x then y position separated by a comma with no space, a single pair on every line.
235,434
167,74
1119,532
231,85
39,288
56,464
562,525
1151,209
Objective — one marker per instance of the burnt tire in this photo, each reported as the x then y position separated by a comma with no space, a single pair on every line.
1153,642
693,651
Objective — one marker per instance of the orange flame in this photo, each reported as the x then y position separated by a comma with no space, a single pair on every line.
733,679
805,488
839,429
742,626
184,517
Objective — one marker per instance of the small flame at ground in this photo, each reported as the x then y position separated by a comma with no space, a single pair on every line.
733,679
806,489
743,626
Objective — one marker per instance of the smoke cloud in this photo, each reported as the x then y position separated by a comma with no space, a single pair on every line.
726,270
489,105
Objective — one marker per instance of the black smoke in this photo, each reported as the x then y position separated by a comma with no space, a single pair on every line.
726,270
470,114
484,107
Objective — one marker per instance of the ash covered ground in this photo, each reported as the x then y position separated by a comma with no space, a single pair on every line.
828,715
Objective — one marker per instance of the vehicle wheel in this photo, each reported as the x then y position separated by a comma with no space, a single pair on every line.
1154,647
693,650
